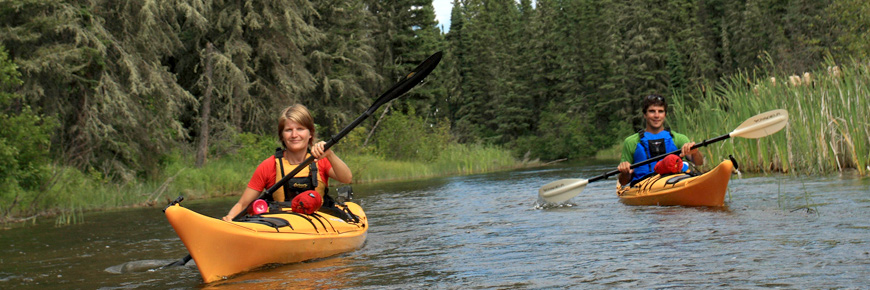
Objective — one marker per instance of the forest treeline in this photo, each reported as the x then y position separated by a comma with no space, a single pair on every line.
564,78
110,88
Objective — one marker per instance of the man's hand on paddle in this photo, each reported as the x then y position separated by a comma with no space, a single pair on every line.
692,154
624,172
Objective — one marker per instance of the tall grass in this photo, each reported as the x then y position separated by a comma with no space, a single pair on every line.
456,160
827,129
71,192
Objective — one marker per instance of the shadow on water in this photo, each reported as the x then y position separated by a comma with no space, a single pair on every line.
485,231
138,266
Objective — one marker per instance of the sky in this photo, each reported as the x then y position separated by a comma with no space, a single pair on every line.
442,13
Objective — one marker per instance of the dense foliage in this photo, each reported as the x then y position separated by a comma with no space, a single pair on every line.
24,146
128,81
563,78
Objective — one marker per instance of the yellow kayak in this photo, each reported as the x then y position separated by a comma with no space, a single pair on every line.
683,189
222,248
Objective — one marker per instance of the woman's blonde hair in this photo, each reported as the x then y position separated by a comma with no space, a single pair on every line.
299,114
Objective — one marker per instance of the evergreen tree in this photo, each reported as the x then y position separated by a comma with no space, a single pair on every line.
638,50
851,26
486,76
261,63
544,69
693,44
429,100
676,72
754,33
455,64
476,72
271,43
343,64
115,103
511,113
807,35
406,34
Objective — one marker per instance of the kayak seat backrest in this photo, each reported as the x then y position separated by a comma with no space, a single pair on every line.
269,221
675,179
329,207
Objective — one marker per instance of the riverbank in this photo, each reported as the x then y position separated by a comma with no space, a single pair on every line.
71,193
827,132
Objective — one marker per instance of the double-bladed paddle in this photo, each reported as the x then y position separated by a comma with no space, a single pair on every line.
401,87
758,126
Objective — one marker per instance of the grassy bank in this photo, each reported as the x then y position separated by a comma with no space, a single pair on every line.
461,160
70,192
827,130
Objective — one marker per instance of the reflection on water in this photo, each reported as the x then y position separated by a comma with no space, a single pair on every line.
484,231
329,273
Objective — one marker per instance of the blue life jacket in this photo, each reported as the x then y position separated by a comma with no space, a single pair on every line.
649,146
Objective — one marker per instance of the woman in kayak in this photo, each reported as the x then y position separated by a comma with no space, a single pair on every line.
653,141
297,135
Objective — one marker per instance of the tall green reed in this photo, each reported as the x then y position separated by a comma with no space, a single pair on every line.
71,192
827,129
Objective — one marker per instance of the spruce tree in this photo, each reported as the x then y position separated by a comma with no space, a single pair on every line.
343,64
95,68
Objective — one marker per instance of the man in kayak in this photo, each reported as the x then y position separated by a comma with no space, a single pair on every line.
297,135
652,141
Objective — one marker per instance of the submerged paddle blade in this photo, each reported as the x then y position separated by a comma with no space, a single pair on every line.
761,125
181,262
562,190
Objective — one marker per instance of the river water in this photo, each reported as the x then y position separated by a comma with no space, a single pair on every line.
489,232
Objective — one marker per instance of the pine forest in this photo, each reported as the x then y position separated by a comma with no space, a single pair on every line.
116,91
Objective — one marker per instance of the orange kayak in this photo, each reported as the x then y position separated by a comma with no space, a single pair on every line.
683,189
222,248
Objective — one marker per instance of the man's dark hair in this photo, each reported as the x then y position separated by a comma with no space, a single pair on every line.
654,100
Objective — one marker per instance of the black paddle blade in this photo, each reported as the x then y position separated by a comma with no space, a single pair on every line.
180,262
409,80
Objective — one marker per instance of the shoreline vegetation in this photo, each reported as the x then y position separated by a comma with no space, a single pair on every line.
827,132
71,193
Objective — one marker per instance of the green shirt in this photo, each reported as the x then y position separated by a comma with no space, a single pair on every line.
630,144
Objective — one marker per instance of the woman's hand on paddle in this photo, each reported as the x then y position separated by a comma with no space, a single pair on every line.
318,152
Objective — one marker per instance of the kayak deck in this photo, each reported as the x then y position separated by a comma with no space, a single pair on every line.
222,248
682,189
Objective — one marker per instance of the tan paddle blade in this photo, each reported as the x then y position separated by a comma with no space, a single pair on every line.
562,190
761,125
